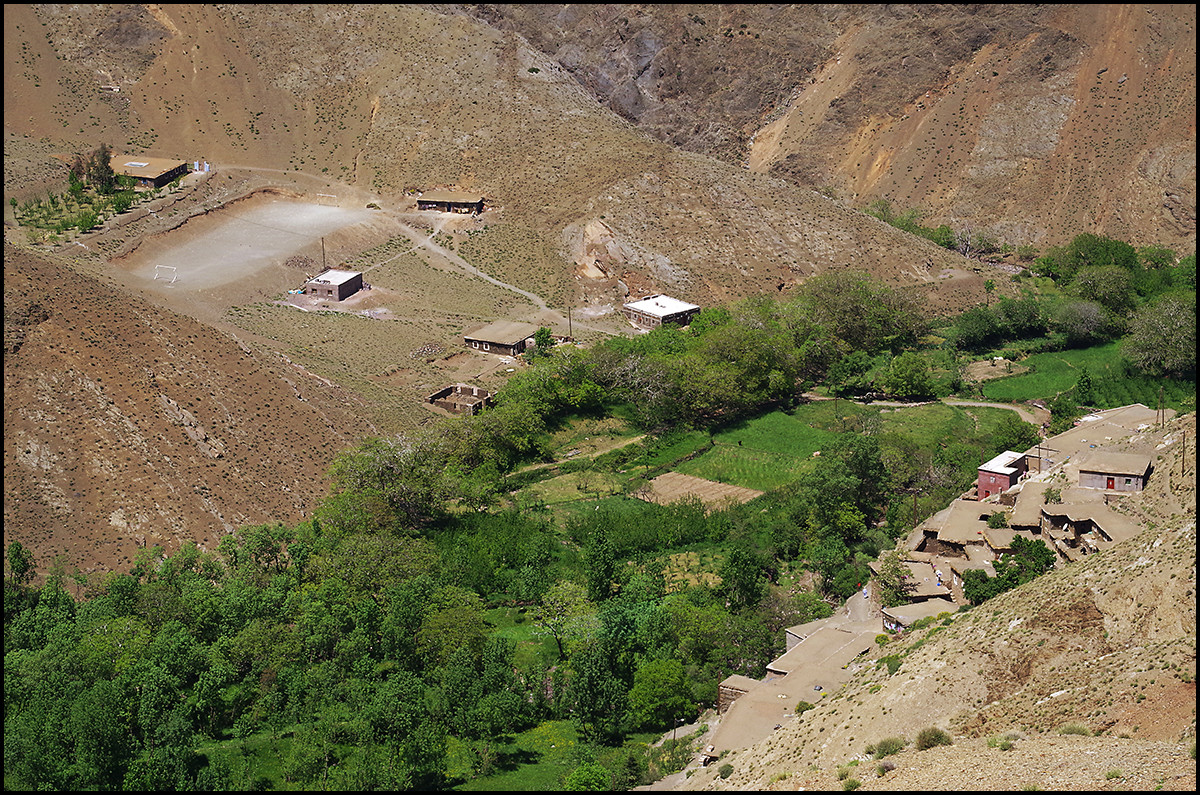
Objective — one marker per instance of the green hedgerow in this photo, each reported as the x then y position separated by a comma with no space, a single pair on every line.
928,738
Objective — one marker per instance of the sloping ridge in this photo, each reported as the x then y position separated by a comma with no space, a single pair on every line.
127,426
1108,643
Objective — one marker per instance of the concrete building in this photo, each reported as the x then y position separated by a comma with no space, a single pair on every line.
450,201
504,337
149,172
334,284
653,311
1114,471
1000,474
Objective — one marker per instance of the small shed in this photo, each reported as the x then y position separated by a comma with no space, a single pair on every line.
334,284
898,619
505,337
1114,471
149,172
1000,474
449,201
732,688
462,399
654,310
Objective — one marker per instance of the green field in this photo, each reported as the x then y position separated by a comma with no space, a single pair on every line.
1113,384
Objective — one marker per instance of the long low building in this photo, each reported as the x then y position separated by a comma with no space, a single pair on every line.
449,201
150,172
654,310
504,337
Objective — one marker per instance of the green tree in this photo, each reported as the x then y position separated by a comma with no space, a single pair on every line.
743,582
20,563
1162,336
893,579
100,174
909,376
588,777
661,695
564,612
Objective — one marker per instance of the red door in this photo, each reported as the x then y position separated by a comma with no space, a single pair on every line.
1111,483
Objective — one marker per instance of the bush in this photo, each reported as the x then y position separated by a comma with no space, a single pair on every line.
932,736
851,783
725,771
1075,728
885,767
803,707
887,747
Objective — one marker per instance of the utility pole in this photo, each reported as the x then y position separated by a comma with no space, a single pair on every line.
322,253
570,333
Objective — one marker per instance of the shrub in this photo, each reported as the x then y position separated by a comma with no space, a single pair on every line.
725,770
1075,728
851,783
885,767
1114,774
928,738
887,747
803,707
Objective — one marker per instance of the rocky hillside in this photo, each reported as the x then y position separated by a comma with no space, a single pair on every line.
126,425
1035,122
1108,643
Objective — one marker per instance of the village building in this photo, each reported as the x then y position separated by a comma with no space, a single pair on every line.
655,310
732,688
999,474
462,399
335,285
899,619
505,337
148,172
1114,471
449,201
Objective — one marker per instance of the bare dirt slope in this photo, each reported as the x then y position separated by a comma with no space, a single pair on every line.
388,98
126,425
1108,643
1035,121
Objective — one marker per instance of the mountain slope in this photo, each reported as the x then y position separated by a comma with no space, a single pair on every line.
1036,122
127,426
1108,643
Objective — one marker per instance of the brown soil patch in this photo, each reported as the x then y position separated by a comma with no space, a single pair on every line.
990,369
674,486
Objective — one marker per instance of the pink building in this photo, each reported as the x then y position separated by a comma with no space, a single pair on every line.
1000,474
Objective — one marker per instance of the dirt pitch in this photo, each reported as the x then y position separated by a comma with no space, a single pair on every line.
674,486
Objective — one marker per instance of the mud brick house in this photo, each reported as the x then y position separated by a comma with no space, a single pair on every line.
898,619
449,201
149,172
1114,471
654,310
1000,474
462,399
334,284
505,337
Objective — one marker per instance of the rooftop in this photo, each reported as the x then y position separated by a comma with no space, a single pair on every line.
660,305
451,196
334,277
907,614
502,332
1003,463
1114,463
146,167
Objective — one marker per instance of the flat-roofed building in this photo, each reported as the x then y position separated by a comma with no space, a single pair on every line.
451,201
1000,474
334,284
898,619
504,337
1114,471
654,310
149,172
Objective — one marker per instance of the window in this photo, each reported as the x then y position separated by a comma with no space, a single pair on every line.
1128,481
